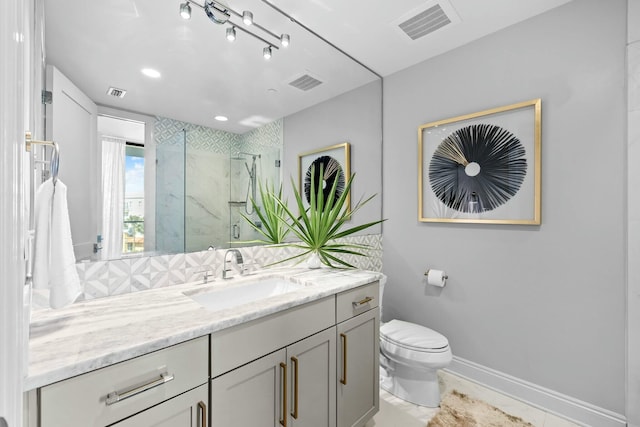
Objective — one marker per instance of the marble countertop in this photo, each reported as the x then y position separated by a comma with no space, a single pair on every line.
97,333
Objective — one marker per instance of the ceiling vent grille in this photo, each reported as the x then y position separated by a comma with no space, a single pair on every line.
118,93
305,82
425,22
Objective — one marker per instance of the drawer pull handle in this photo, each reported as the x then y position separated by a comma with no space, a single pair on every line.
358,304
203,409
115,397
294,361
343,379
283,370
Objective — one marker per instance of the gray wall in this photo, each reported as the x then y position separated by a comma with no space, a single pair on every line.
353,117
545,304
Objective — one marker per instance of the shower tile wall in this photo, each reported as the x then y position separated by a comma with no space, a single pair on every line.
194,213
266,141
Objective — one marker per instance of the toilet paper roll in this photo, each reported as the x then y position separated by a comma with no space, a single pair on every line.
437,278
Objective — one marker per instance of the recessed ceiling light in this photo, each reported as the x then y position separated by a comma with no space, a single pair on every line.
150,72
221,118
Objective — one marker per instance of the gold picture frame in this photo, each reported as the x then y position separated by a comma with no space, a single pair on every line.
340,153
482,168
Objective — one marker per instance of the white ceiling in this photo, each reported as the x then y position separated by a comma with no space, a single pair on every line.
98,44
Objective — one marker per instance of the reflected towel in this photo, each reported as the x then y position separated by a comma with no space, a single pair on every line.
54,263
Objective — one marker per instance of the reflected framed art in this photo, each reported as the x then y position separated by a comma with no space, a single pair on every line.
335,161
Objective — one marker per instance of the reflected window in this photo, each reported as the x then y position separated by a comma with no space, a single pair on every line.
133,226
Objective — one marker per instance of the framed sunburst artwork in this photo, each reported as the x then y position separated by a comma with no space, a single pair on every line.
334,161
482,167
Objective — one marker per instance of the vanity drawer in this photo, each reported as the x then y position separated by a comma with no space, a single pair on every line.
106,395
356,301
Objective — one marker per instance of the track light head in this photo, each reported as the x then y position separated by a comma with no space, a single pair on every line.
247,17
231,33
285,40
266,52
185,10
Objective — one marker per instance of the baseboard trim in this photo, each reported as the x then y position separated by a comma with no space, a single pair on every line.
577,411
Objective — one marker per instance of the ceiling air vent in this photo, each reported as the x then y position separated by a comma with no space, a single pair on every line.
118,93
425,22
305,82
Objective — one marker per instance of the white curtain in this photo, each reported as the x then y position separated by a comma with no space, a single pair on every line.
113,169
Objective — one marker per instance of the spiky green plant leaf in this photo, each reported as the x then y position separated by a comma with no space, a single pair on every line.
319,225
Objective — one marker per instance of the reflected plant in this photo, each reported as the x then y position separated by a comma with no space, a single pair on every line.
271,214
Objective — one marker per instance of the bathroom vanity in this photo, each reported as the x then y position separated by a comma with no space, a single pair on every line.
306,355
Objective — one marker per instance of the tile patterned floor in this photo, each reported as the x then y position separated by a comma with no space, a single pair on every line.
395,412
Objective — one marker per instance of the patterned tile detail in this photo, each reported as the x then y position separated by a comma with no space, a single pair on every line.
119,285
96,289
119,268
98,270
104,278
168,132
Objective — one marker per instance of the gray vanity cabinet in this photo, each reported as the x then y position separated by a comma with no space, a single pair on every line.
312,381
251,395
291,387
358,355
253,385
186,410
156,382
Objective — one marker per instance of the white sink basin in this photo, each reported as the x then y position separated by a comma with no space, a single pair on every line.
244,293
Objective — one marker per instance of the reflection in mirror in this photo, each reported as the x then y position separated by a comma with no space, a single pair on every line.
188,193
204,180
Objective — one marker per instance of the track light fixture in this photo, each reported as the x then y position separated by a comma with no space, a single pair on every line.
221,14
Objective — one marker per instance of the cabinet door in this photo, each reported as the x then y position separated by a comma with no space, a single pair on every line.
186,410
252,395
312,383
357,371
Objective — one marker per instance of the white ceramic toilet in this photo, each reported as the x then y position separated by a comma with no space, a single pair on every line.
410,356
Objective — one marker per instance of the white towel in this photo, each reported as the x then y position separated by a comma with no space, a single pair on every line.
54,262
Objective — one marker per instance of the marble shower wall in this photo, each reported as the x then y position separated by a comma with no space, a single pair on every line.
192,185
199,187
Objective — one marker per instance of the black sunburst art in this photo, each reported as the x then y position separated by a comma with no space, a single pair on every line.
332,171
478,168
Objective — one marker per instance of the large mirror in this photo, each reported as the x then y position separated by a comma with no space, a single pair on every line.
158,172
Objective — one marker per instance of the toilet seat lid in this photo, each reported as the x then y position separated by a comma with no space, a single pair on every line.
413,337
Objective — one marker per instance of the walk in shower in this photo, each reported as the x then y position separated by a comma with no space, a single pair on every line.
205,180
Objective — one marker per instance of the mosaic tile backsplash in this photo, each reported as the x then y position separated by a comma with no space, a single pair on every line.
107,278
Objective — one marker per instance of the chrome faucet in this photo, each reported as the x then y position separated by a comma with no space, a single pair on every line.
239,262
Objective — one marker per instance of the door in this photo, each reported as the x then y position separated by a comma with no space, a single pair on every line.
14,16
252,395
312,381
71,120
358,364
186,410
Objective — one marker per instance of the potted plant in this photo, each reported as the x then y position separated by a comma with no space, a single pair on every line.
317,227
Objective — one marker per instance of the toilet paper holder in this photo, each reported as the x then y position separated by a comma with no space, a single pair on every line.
445,277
